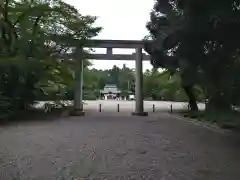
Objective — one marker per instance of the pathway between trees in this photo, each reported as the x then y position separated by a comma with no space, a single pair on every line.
120,147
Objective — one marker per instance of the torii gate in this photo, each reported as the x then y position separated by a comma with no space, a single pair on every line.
138,56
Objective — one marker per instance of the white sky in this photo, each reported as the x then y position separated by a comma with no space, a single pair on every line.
121,20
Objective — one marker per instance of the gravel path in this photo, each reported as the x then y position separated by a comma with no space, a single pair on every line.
129,106
120,147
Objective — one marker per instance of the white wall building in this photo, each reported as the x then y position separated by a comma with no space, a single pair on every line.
110,91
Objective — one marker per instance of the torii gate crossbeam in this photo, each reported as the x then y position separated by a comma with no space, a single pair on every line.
109,45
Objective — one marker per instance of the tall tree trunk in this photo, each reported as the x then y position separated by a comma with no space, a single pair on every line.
191,98
219,96
218,103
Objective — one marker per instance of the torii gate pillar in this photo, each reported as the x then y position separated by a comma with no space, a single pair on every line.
139,105
78,93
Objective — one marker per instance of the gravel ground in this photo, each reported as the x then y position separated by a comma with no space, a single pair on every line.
157,147
111,105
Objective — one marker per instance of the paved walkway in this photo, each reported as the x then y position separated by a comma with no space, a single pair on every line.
120,147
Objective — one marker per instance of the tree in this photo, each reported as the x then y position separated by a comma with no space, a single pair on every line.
126,79
34,36
166,33
202,45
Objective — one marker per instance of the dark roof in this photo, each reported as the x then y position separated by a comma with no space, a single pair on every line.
111,85
110,88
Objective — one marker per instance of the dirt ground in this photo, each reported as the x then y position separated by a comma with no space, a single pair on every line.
108,147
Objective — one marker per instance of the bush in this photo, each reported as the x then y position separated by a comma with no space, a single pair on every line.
5,107
89,96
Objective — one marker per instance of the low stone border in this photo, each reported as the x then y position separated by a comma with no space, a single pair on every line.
211,126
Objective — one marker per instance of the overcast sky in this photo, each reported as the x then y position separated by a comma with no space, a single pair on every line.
121,20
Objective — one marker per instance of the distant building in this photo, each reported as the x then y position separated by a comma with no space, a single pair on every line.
131,97
110,91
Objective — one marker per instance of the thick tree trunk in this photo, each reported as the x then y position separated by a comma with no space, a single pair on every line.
219,97
219,84
191,98
218,103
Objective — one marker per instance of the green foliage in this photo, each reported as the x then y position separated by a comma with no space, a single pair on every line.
157,85
34,36
201,46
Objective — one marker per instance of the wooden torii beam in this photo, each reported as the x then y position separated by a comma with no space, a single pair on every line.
109,45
